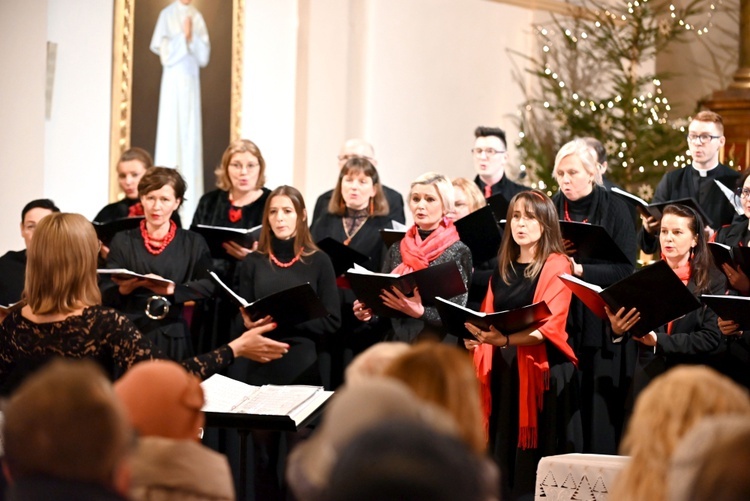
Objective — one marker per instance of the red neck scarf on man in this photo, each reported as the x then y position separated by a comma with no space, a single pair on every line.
533,365
417,254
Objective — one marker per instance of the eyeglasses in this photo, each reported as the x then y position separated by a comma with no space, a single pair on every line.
488,151
744,193
241,167
700,138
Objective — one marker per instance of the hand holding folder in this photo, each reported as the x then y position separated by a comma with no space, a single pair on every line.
216,236
656,209
443,280
655,291
454,316
734,308
287,307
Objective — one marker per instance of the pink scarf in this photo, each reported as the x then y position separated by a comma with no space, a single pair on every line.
417,254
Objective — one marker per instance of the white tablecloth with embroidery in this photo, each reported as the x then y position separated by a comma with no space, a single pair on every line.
577,476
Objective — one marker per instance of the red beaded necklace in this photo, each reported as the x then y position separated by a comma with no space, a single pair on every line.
278,263
156,246
567,214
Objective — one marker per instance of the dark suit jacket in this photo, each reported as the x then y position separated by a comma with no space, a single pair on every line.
679,184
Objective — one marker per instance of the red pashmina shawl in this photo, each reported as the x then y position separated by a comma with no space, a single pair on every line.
417,254
533,365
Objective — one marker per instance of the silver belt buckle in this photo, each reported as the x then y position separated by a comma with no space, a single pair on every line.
155,314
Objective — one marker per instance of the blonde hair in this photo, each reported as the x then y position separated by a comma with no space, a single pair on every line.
374,361
239,146
664,412
442,185
61,266
473,194
580,149
444,375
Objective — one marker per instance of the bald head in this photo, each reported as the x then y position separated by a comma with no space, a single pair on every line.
358,148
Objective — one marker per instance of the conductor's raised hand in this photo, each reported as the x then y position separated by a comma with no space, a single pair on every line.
254,345
361,311
622,321
399,301
250,323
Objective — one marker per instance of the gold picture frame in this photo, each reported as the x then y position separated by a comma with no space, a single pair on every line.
122,81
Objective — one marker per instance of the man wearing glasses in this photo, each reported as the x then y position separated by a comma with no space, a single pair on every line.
490,154
705,139
359,148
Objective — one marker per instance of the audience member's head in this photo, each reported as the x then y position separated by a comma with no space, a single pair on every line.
444,375
65,422
162,399
32,213
355,409
374,361
665,411
706,455
409,462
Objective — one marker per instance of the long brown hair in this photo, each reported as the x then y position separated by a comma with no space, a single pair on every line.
540,207
445,376
700,263
356,165
302,236
61,266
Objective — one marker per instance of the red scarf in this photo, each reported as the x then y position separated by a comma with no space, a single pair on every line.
417,254
683,273
135,210
533,365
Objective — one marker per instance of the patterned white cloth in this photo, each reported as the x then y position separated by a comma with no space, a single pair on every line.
577,476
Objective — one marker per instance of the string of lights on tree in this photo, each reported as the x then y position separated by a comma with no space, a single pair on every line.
591,79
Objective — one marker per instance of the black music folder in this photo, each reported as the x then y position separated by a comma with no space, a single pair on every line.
655,291
481,234
592,241
499,206
287,307
732,255
656,210
342,256
106,231
442,280
216,235
735,308
391,236
509,321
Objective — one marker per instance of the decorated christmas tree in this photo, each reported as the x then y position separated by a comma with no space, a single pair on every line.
592,78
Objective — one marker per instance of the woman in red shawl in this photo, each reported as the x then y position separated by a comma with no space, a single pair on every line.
529,394
432,240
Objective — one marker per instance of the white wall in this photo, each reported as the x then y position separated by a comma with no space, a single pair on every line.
76,163
23,49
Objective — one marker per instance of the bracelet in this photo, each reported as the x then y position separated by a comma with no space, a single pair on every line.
507,342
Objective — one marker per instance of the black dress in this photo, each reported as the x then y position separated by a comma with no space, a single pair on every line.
354,336
559,425
12,276
99,333
212,322
259,277
605,368
185,261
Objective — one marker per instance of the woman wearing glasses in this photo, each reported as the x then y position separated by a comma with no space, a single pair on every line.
239,200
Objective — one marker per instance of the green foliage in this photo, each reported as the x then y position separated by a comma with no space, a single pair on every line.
589,79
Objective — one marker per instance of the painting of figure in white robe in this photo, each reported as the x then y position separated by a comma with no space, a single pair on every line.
181,41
